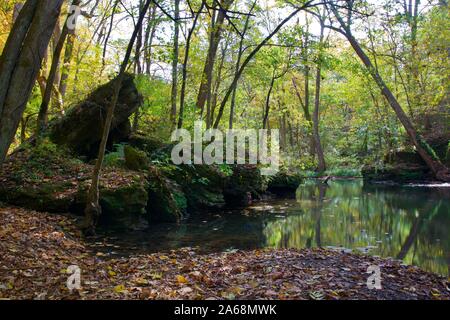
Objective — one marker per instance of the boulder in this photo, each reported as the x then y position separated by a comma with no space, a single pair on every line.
166,201
44,178
81,128
202,185
244,185
146,144
284,182
135,159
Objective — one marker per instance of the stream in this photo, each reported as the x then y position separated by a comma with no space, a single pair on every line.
410,223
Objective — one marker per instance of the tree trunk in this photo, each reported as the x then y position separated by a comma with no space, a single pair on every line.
149,36
66,63
307,114
105,44
13,46
21,61
184,66
174,93
137,58
215,37
93,209
319,150
267,109
51,79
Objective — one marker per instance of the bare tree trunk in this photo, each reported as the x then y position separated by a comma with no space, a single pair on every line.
267,109
149,36
218,81
21,61
66,63
184,66
17,8
13,46
55,102
215,37
423,149
137,58
174,94
105,44
93,209
306,113
51,80
319,150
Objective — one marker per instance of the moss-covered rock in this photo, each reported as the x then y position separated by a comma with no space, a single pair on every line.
166,201
135,159
202,185
146,144
244,185
399,172
80,129
52,197
118,200
44,178
284,182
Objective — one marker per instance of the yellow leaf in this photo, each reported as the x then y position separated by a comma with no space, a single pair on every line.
156,275
181,279
112,273
119,289
163,257
141,281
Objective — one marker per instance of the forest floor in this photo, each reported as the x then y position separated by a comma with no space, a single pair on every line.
37,248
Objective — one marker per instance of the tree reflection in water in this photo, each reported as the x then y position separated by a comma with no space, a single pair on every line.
407,223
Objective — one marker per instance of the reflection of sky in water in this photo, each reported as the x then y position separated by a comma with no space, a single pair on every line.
409,223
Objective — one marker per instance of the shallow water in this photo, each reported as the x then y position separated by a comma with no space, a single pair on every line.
411,223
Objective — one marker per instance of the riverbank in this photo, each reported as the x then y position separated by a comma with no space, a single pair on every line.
37,248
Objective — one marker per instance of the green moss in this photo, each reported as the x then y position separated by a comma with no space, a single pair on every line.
126,200
202,185
49,197
427,148
135,159
246,183
145,143
284,182
165,200
125,206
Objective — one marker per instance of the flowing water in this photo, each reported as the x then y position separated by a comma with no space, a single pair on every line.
411,223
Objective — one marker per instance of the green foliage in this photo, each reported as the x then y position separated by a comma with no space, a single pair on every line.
226,169
115,158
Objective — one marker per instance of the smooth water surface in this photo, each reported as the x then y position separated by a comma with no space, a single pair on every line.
411,223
